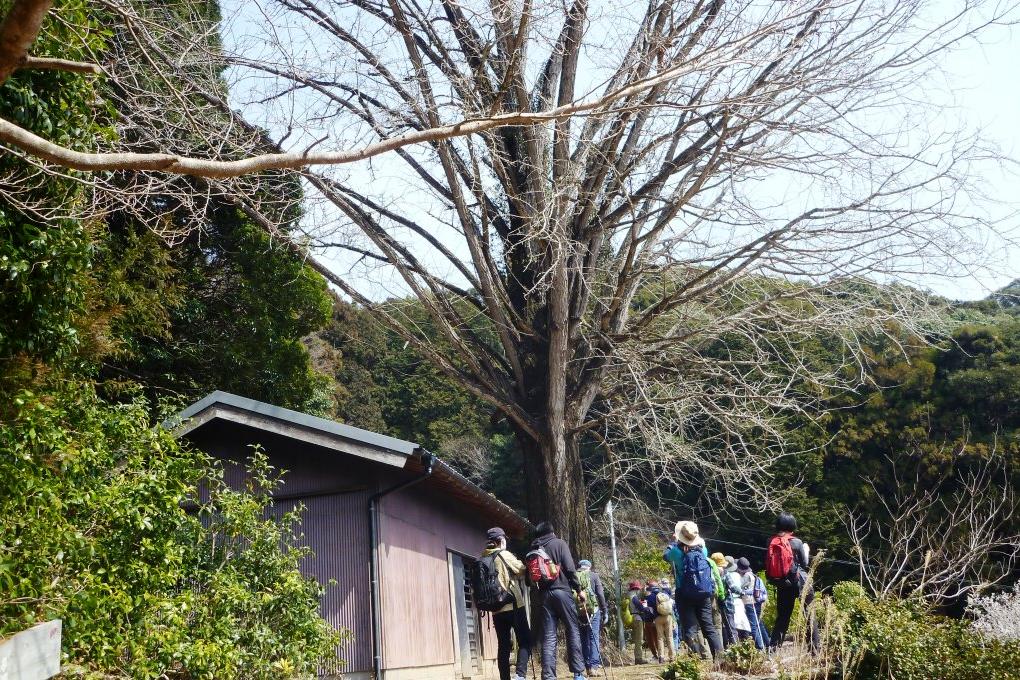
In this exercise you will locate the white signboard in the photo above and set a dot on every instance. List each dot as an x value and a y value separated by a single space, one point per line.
33 654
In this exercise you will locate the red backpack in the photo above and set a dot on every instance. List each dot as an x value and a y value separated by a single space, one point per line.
779 563
542 571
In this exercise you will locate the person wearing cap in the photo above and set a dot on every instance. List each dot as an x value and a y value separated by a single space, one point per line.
591 628
513 617
735 603
747 583
725 604
639 613
688 550
651 632
666 587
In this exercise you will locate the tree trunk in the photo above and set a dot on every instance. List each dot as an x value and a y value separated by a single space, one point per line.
556 489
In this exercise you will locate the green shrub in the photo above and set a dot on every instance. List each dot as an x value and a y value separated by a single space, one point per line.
901 639
745 659
100 526
683 667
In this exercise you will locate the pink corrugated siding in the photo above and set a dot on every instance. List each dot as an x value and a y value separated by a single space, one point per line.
336 528
416 533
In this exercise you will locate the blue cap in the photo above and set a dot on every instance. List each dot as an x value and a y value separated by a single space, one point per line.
584 563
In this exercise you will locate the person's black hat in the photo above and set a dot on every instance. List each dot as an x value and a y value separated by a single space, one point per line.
743 564
495 533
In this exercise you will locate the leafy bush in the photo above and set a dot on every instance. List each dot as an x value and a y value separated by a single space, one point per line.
901 639
102 525
746 659
683 667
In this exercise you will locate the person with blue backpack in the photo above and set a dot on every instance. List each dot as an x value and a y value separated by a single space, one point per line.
695 587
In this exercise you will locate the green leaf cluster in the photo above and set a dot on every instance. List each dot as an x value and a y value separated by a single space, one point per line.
901 639
157 569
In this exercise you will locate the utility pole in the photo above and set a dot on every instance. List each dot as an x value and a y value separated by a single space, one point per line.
620 639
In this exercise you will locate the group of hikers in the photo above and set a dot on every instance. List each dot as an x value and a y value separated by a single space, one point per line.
712 599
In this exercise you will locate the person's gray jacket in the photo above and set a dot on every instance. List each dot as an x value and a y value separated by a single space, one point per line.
600 594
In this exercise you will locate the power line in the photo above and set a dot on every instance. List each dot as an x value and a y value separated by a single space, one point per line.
719 540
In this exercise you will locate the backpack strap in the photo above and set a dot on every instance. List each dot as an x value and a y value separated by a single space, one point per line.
509 574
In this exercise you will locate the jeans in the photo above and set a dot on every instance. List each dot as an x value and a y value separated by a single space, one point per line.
558 607
752 618
676 628
786 597
762 630
590 642
697 614
505 622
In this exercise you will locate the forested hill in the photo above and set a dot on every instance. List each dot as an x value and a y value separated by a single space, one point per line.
928 411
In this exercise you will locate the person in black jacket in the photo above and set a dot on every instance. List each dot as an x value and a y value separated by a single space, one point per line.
558 605
787 592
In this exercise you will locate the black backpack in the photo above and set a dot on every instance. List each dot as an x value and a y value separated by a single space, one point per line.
490 595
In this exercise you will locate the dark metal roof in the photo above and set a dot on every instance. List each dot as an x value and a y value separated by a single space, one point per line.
285 415
345 439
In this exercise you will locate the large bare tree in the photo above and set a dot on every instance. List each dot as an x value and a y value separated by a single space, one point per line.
625 223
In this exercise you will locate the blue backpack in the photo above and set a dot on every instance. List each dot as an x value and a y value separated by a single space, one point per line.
697 577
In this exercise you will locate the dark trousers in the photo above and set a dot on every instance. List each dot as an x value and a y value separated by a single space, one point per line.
729 626
505 622
786 598
558 606
695 615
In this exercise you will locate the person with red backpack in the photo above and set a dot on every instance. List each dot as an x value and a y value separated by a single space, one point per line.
786 567
550 568
497 589
695 587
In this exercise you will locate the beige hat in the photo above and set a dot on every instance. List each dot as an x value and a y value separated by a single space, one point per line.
719 559
687 533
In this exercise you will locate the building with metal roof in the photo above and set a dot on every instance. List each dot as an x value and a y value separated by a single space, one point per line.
392 525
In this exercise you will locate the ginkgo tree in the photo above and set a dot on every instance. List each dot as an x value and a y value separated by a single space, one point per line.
624 223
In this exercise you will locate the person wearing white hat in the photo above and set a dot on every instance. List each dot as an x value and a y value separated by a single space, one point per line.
695 587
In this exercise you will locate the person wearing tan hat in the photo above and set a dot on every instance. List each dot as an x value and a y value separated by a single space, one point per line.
725 607
695 587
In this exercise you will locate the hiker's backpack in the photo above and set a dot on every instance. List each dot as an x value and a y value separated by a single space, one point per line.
780 566
761 594
625 611
697 578
663 604
542 571
584 578
489 593
720 582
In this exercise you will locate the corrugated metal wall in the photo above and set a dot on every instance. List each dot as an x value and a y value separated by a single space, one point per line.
335 527
417 533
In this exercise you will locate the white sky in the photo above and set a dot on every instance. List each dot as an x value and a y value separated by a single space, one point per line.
980 89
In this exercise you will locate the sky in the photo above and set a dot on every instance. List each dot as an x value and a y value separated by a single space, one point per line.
978 85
